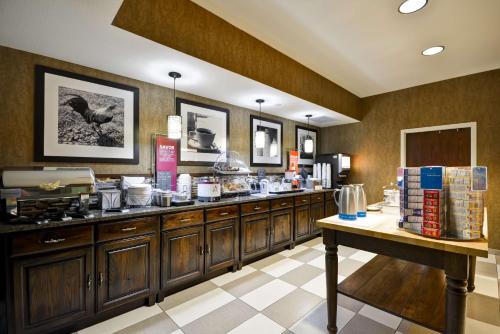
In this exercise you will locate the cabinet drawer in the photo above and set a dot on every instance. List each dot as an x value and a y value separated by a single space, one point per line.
224 212
316 198
254 207
302 200
182 219
282 203
126 228
42 241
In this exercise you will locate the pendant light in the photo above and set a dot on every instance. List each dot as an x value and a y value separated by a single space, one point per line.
174 122
260 135
308 143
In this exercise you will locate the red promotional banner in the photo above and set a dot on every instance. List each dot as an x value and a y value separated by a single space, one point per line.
166 163
294 161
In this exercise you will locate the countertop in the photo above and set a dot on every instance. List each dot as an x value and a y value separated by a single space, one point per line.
384 226
100 216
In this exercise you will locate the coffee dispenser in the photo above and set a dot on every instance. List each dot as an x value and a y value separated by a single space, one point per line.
340 166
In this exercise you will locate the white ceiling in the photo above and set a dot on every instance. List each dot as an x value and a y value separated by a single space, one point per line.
367 46
80 31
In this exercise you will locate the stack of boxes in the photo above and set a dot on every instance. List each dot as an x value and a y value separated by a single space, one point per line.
465 207
434 222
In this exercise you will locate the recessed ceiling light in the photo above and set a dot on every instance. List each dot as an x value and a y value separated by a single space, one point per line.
411 6
433 50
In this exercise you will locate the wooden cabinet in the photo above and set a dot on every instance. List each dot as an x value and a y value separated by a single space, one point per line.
182 256
281 228
330 208
126 270
317 212
254 235
221 245
53 290
302 221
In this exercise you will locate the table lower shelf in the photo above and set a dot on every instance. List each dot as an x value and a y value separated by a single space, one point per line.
412 291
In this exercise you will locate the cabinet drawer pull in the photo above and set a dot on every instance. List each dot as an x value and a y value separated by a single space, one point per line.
207 249
284 203
128 229
89 282
304 200
224 213
257 208
185 220
101 279
54 241
201 250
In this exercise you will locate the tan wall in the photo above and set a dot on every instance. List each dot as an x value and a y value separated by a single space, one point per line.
17 70
375 141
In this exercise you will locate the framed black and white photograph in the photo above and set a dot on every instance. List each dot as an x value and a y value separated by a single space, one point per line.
301 134
84 119
271 154
205 132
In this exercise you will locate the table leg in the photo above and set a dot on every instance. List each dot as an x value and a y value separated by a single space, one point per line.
472 273
457 272
331 262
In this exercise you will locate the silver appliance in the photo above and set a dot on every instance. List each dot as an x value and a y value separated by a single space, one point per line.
360 196
340 166
209 189
346 202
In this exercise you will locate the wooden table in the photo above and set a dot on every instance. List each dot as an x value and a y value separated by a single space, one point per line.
378 233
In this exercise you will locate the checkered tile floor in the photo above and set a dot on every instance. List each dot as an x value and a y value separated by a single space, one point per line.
285 293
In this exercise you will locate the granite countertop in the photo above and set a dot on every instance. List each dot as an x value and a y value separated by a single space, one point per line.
100 216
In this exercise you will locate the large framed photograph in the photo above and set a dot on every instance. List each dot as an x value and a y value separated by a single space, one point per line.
271 154
205 133
301 134
84 119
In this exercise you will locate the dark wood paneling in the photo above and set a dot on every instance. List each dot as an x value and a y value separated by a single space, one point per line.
56 239
316 198
302 200
254 235
330 208
223 212
53 290
126 229
197 32
317 212
182 256
126 270
254 207
281 228
221 239
438 148
282 203
302 222
182 219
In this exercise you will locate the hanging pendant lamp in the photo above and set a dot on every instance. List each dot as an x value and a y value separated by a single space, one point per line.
308 143
260 135
174 122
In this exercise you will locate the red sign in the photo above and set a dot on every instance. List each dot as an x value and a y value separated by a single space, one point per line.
166 163
294 161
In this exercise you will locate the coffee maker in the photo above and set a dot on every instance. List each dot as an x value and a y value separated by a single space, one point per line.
340 167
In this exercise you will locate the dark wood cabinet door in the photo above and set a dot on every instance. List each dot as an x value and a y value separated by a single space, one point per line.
254 235
317 212
281 228
126 270
182 256
53 290
302 222
221 244
330 208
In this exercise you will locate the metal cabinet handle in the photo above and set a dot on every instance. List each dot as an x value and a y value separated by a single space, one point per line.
283 204
89 282
101 279
257 208
185 220
54 241
207 247
304 200
127 229
224 213
201 250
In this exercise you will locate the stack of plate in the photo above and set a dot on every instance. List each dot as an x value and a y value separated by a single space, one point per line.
139 195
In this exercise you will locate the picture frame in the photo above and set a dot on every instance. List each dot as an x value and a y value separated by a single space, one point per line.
305 159
269 156
205 133
79 118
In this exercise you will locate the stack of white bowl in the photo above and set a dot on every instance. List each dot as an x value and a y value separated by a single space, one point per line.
139 195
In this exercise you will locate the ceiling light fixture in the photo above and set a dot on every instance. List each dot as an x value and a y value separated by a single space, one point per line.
411 6
308 143
174 122
433 50
260 134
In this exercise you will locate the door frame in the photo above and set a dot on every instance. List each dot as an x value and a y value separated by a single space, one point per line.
473 138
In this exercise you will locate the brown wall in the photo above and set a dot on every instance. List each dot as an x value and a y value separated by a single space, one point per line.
17 70
375 141
189 28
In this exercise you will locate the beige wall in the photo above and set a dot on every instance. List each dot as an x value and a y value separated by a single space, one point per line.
17 70
375 141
